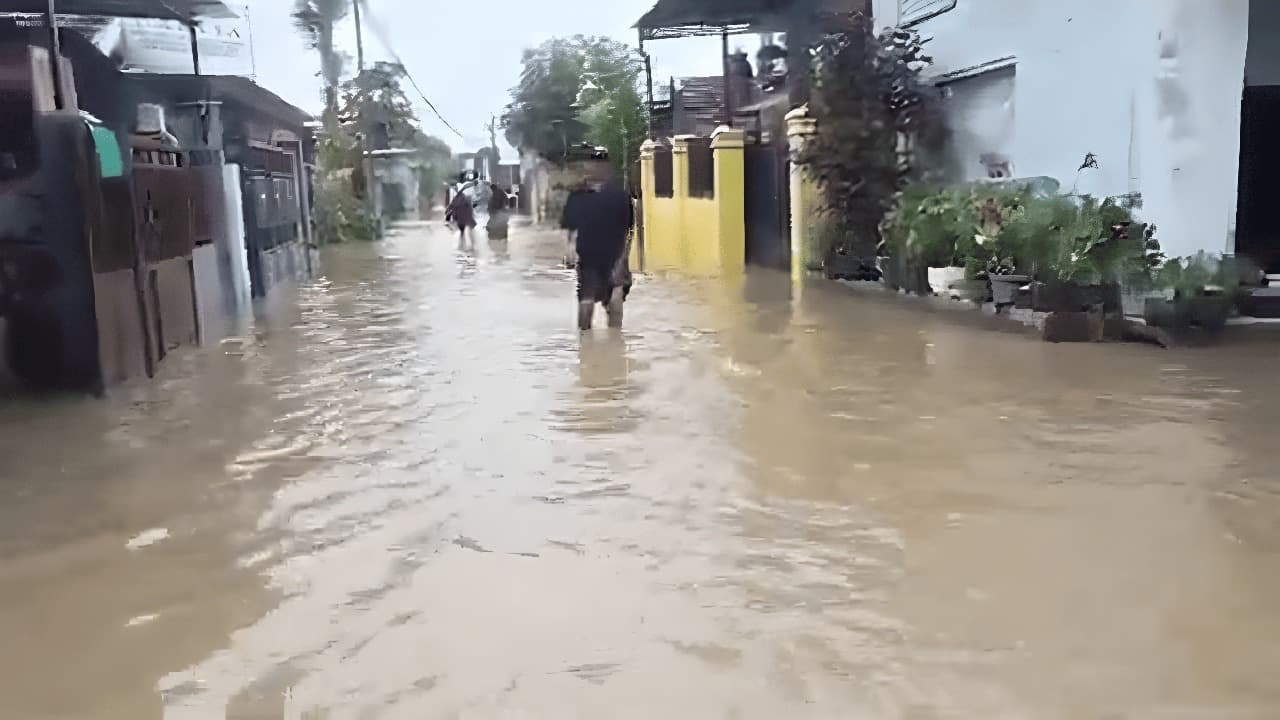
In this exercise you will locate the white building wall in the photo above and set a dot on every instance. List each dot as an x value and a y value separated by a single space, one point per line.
1151 88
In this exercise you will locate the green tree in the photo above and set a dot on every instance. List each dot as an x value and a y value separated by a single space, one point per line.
374 103
316 20
579 89
542 114
610 104
876 116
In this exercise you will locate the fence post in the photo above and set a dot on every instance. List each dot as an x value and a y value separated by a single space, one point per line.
729 157
648 193
804 194
680 184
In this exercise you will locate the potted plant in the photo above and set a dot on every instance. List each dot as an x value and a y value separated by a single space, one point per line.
929 222
1008 222
1094 247
1201 292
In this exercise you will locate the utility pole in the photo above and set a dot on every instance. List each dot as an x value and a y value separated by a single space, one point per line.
366 162
359 37
728 79
55 51
648 82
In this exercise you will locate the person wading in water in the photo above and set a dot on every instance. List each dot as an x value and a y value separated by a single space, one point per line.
603 220
462 212
499 215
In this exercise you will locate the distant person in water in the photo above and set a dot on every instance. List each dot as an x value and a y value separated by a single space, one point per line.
462 213
603 220
499 215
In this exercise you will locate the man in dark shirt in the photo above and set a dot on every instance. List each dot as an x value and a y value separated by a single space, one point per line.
603 220
569 221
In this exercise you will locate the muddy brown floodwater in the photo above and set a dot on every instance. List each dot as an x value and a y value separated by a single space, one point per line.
411 490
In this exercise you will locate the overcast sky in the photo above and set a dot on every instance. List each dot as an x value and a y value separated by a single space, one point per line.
464 54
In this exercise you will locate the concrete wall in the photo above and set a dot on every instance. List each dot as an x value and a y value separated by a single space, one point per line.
693 234
1151 88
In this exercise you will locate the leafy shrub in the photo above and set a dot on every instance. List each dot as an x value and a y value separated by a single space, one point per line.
1007 228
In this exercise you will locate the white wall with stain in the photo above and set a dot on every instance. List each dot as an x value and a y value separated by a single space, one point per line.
1151 88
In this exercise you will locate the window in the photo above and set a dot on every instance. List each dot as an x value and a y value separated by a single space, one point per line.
912 12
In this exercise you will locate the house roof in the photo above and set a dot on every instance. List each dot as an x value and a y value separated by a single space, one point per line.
192 88
688 18
700 105
186 11
692 18
702 94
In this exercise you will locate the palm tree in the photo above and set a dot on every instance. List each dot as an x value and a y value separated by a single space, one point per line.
315 20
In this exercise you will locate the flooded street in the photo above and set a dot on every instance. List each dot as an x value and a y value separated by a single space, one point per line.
412 490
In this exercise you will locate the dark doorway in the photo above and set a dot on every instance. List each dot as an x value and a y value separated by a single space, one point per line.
767 210
1258 214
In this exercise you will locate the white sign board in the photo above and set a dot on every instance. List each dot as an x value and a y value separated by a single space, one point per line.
164 46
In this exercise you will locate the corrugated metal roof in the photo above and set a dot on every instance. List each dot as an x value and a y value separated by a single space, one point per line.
689 18
677 13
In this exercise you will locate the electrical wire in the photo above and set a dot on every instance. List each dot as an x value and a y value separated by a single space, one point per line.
376 25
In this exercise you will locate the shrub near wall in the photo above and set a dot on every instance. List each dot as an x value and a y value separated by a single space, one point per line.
995 230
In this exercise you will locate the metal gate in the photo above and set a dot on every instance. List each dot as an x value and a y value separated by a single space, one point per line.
768 213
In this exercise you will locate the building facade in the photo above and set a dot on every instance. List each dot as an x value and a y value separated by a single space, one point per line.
1142 98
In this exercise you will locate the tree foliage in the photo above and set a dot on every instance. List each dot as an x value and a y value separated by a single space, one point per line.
541 112
316 20
611 106
575 90
875 117
374 102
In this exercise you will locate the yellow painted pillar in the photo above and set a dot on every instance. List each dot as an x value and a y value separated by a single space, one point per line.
804 195
648 206
680 183
728 146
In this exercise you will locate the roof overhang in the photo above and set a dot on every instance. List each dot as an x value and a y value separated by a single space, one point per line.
185 11
671 19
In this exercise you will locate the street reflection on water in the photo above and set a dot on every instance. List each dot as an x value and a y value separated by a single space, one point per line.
411 489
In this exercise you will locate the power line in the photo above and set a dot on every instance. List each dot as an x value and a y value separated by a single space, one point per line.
376 24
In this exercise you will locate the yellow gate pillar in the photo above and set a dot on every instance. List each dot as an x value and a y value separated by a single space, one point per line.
648 206
728 146
680 184
804 195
